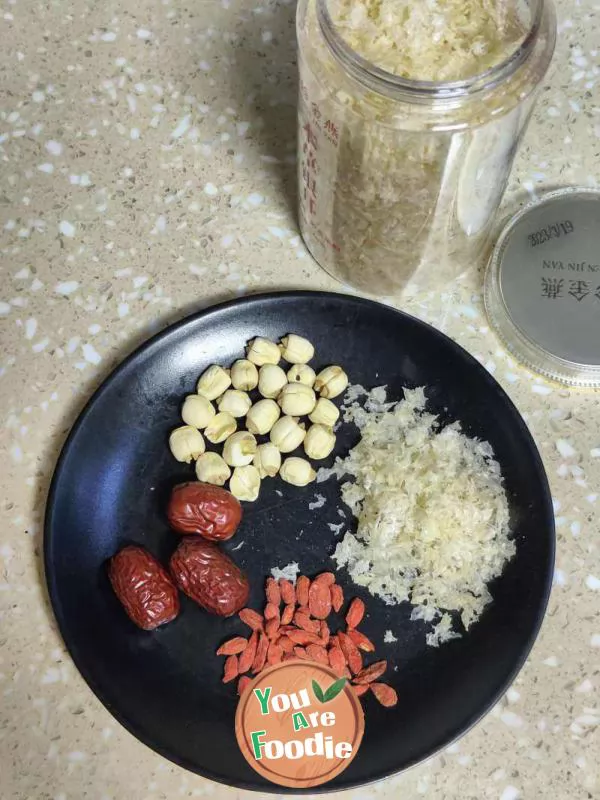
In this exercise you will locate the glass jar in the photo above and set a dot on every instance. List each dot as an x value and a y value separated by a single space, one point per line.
400 179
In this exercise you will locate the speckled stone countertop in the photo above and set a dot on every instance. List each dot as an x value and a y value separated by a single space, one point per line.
148 170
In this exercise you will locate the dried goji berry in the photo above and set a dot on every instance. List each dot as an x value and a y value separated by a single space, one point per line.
337 662
300 652
360 688
247 657
271 611
286 644
232 646
288 657
287 628
324 633
272 627
360 640
243 683
355 662
302 587
261 654
252 618
288 614
337 596
326 578
272 591
385 694
317 653
319 599
303 610
371 673
306 623
351 652
355 613
303 637
230 671
274 654
288 593
299 637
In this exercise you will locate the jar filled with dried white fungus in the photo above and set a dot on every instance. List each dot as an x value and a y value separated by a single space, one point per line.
410 114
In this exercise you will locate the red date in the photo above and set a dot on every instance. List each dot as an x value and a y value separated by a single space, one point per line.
144 587
207 510
209 577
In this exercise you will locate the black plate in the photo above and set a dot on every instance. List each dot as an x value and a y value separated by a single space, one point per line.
112 484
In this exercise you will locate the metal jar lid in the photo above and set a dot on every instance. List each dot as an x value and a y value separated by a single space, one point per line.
542 286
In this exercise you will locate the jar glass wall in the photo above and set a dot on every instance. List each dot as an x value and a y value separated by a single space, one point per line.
400 179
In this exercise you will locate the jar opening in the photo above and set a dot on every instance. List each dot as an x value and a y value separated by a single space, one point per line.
386 82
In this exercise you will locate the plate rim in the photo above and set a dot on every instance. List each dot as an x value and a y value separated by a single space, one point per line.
146 347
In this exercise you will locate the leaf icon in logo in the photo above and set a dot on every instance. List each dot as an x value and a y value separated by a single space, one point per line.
333 691
318 692
330 693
